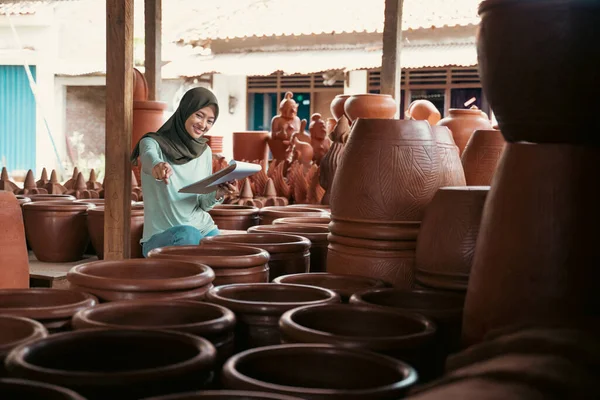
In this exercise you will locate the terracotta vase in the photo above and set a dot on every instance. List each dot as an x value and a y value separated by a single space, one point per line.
270 214
337 106
117 364
31 390
319 371
316 234
142 279
51 307
230 263
234 217
95 224
481 156
148 116
344 285
251 146
319 221
451 168
258 307
370 106
288 254
423 110
57 230
521 248
215 143
446 242
463 122
15 331
51 197
14 260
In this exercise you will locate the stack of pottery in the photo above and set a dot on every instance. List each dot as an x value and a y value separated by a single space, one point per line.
215 143
463 122
15 331
95 223
388 175
230 263
481 156
14 263
234 217
142 279
251 146
270 214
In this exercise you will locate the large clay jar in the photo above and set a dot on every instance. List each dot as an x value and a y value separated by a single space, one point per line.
15 331
481 156
320 221
225 395
370 106
231 263
95 224
463 122
148 116
14 261
403 335
549 264
337 105
251 146
319 371
451 168
31 390
209 321
142 279
51 307
344 285
446 242
234 217
117 364
57 230
316 234
259 306
423 110
270 214
288 254
521 50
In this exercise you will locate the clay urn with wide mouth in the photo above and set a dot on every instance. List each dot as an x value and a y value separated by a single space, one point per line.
463 122
142 279
95 224
15 331
451 168
117 363
225 395
51 197
234 217
258 307
337 105
324 207
53 308
269 214
319 371
369 105
288 254
24 389
481 156
321 221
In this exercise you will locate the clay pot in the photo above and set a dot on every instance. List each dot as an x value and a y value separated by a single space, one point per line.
15 331
446 242
370 106
225 395
234 217
117 364
51 197
321 221
463 122
389 171
521 248
251 146
142 279
376 230
316 234
337 105
259 306
270 214
324 207
319 371
481 156
14 260
230 263
140 86
57 230
288 254
51 307
451 168
215 143
22 199
95 224
344 285
96 202
31 390
148 116
423 110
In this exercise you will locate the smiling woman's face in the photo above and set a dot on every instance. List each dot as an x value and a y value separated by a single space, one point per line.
200 122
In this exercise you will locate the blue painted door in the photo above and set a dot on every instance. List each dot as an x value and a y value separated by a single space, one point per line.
17 119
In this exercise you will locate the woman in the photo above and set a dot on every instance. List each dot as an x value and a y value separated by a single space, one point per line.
173 157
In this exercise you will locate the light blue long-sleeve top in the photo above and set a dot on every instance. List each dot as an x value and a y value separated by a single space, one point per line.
164 206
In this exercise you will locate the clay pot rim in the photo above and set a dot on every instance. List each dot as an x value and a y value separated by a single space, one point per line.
230 272
305 205
136 211
371 95
68 393
51 196
265 307
314 233
320 350
342 96
227 210
292 221
120 295
81 276
255 256
48 312
288 243
58 205
465 111
415 224
84 319
476 188
373 244
274 210
224 394
38 331
204 358
375 283
375 230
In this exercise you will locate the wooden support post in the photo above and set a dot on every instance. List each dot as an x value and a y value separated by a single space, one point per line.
119 118
392 45
153 63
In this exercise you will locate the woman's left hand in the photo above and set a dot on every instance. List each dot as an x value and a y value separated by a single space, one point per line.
225 189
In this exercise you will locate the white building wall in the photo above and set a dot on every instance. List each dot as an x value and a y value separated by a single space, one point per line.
357 82
232 120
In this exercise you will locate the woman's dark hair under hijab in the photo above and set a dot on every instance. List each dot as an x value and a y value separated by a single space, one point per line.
174 141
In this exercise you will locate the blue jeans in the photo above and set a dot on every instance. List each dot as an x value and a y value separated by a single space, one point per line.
182 235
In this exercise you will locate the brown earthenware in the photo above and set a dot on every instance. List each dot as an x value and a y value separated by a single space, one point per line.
319 371
481 155
51 197
14 262
337 105
31 390
215 142
251 146
225 395
463 122
423 110
259 306
288 254
148 116
95 224
230 263
234 217
15 331
375 229
321 221
370 105
451 168
324 207
270 214
117 364
6 184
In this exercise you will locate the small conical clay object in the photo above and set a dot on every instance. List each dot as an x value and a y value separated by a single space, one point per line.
270 197
134 181
6 184
54 187
43 179
92 184
81 191
70 184
270 191
246 193
29 186
80 182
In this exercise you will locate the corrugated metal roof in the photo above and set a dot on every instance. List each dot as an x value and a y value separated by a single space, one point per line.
21 7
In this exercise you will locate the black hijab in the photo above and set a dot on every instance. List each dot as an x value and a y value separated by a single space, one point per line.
174 141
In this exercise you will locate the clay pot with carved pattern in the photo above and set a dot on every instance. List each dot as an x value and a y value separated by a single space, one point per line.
270 214
451 167
463 122
234 217
320 221
481 155
15 331
95 223
369 105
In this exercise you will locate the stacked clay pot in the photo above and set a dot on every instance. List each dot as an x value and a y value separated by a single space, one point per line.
446 242
321 221
142 279
14 262
270 214
234 217
24 389
15 331
259 306
463 122
230 263
481 155
251 146
288 254
451 167
95 224
225 395
215 143
57 230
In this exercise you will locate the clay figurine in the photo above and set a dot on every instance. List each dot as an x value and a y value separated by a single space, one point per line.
332 158
318 136
283 126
